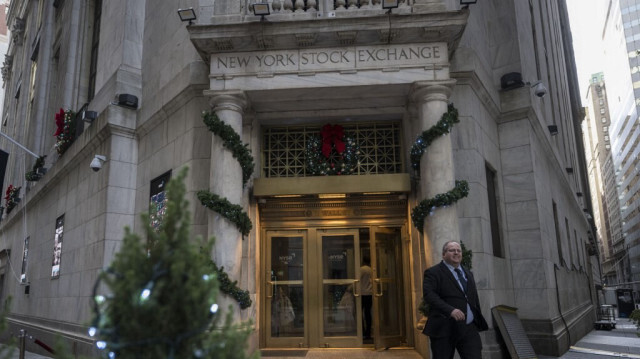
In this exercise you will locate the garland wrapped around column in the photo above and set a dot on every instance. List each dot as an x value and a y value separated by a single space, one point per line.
233 212
232 141
423 141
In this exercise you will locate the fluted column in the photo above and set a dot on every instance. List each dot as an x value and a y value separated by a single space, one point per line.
436 167
225 180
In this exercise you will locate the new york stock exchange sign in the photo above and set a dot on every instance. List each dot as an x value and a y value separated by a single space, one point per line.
334 59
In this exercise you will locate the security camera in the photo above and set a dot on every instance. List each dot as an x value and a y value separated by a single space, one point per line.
539 89
96 163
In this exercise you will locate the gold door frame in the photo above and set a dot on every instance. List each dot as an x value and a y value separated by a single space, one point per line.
310 215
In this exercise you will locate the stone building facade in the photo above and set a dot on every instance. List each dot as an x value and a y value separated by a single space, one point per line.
375 77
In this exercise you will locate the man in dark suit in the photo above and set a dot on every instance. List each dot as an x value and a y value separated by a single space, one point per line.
454 317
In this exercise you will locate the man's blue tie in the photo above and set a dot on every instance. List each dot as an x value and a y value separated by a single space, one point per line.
461 279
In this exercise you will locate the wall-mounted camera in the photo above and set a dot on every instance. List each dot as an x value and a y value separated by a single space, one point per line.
96 163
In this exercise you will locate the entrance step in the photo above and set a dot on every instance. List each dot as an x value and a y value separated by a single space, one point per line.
341 353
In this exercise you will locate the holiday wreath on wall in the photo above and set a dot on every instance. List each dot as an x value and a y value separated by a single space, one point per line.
331 153
65 130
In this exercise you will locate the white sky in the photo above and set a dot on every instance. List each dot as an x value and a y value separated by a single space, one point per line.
586 29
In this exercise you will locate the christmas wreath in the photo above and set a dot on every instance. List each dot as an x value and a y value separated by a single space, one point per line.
12 197
331 153
65 130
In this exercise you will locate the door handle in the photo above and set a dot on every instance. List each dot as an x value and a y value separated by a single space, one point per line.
379 284
272 289
356 284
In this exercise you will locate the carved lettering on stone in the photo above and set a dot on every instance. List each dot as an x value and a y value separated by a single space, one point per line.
334 59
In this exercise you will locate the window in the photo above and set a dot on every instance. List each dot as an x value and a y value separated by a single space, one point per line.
605 129
493 211
606 138
558 238
604 120
566 224
158 199
602 111
25 260
57 247
608 147
95 41
601 101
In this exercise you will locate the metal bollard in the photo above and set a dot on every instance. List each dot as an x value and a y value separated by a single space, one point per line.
23 342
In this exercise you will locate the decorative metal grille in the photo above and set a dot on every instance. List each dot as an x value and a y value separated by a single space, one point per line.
283 148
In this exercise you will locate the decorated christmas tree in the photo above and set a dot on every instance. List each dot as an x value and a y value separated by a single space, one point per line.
158 299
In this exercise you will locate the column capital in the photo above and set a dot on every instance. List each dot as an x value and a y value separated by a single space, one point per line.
227 100
423 91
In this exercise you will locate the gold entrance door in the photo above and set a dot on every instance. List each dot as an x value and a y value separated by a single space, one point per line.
339 295
388 298
285 302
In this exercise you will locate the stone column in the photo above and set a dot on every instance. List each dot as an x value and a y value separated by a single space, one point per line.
226 181
436 167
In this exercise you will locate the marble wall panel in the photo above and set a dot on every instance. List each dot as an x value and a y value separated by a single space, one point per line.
513 133
526 244
515 160
522 215
519 187
529 273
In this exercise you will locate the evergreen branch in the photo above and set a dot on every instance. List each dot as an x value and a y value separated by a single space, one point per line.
231 288
232 212
425 207
441 128
231 140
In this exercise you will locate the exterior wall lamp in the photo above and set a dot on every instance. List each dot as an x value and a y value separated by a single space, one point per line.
390 4
187 15
261 9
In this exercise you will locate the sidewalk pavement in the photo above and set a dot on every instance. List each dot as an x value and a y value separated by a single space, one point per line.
622 342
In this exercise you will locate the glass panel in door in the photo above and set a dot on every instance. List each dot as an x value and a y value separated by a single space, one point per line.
387 300
340 294
285 300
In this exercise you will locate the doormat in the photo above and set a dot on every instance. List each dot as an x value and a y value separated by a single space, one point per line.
284 352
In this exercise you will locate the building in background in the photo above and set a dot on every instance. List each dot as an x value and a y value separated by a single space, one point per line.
361 80
4 43
602 180
623 92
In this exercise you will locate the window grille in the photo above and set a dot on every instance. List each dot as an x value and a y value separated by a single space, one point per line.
284 148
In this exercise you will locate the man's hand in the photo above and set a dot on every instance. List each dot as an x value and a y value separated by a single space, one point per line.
457 314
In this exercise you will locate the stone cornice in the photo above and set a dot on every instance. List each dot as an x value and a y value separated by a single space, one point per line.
323 33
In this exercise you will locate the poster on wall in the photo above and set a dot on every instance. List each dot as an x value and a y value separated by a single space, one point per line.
158 200
25 255
57 247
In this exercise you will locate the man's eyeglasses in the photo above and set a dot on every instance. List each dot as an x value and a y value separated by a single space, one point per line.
454 250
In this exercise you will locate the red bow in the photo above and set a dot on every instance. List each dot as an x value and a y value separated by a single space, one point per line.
59 122
332 135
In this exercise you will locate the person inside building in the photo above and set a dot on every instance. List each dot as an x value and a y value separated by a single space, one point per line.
367 299
453 307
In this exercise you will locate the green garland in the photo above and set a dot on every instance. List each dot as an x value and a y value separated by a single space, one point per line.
232 141
232 212
426 206
231 288
423 141
441 128
33 175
